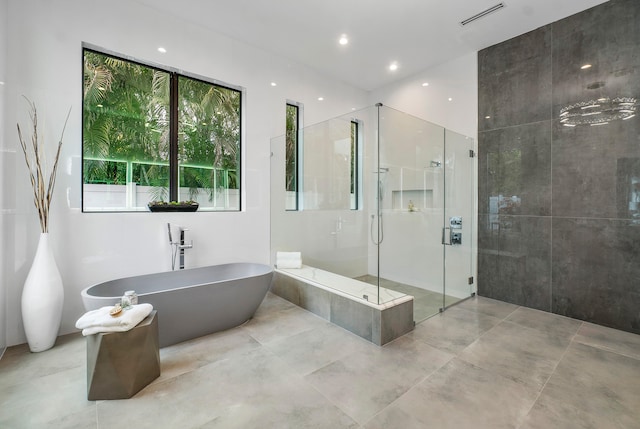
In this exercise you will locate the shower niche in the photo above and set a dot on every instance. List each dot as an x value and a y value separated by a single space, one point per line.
415 188
412 200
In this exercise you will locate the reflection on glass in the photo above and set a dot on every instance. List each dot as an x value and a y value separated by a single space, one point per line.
598 112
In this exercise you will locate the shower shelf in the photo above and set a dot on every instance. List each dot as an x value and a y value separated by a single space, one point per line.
421 199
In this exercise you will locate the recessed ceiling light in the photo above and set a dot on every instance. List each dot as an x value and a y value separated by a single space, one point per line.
425 84
274 84
450 99
162 50
393 66
1 83
586 66
320 98
343 39
487 117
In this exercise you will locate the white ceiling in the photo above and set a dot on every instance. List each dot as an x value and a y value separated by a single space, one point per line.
417 34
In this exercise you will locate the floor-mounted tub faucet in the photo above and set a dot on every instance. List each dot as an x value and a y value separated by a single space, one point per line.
178 246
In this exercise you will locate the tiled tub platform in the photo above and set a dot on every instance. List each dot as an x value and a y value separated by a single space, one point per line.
346 302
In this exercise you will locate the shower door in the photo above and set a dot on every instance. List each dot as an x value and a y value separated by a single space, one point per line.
425 195
411 209
457 229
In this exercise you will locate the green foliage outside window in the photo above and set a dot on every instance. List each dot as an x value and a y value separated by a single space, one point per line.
127 134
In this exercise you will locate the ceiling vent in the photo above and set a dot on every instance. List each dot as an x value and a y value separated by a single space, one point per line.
482 14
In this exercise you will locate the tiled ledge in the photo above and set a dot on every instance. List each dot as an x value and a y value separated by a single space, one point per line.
378 324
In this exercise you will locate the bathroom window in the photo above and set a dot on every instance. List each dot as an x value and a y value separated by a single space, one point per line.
292 140
355 131
151 134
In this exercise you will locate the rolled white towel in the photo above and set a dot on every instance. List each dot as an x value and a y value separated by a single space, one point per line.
101 321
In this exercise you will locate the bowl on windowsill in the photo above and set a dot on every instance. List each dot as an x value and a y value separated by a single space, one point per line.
173 206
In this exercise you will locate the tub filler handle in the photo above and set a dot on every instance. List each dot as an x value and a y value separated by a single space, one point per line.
178 247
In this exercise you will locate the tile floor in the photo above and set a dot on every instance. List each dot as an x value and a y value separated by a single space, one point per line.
481 364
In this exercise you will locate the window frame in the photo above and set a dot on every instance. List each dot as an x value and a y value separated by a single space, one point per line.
174 165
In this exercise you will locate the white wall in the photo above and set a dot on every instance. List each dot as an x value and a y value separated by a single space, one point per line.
43 62
456 79
4 168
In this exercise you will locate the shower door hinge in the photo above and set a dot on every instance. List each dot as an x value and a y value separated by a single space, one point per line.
472 154
471 280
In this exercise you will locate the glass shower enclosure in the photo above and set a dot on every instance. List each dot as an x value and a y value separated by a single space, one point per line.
384 201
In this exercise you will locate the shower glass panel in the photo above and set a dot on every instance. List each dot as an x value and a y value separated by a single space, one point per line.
330 228
385 202
412 209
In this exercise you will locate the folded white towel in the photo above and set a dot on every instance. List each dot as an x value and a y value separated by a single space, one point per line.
101 321
105 329
288 255
289 263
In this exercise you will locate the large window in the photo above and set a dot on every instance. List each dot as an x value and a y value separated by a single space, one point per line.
157 135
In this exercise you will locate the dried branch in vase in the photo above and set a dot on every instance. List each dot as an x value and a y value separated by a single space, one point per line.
34 157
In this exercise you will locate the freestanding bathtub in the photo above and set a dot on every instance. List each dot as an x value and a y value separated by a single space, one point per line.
192 302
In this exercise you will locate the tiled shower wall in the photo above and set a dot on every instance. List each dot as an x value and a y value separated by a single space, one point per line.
559 207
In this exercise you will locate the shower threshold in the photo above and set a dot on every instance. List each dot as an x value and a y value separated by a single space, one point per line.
426 303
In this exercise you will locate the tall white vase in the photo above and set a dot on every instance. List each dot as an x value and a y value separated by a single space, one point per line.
42 299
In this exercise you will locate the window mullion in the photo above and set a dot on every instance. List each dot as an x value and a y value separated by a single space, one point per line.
174 182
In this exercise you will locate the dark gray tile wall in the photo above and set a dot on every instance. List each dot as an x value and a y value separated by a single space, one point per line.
516 85
559 207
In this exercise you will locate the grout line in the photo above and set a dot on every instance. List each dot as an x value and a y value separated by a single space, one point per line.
552 372
551 177
398 398
415 386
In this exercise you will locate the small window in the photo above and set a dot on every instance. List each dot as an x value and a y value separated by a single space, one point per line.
156 135
291 157
354 165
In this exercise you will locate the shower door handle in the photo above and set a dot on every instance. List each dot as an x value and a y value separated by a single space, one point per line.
444 234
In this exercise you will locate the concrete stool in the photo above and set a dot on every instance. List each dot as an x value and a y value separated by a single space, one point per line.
120 364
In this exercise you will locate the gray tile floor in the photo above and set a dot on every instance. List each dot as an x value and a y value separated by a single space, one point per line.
481 364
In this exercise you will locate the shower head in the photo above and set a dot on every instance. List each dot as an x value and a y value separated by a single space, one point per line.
435 163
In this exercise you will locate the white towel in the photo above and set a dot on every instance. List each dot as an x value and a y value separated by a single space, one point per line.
101 321
292 263
288 255
288 259
105 329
